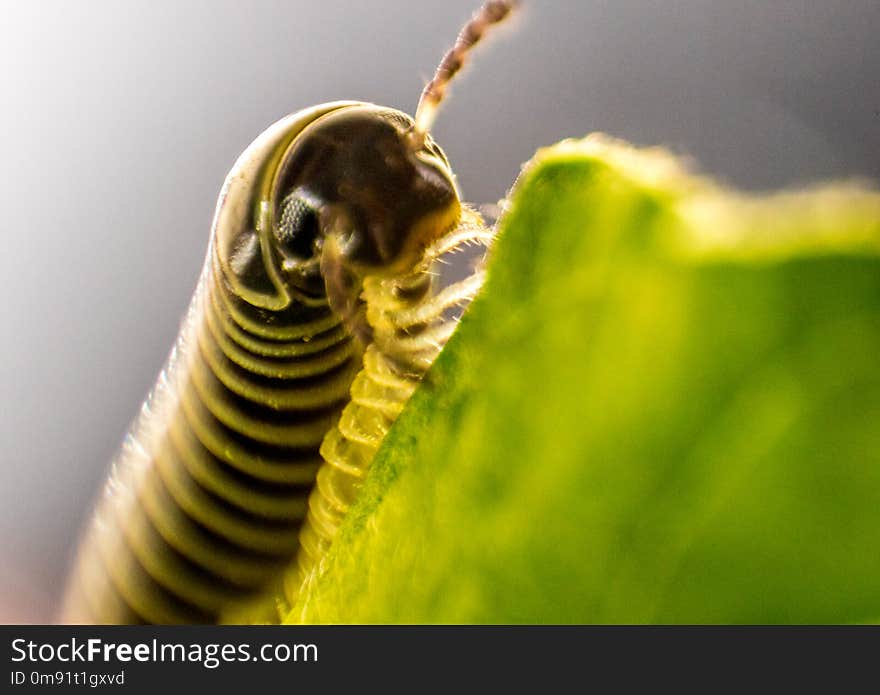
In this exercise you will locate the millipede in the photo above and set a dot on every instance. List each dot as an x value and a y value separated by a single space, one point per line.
316 315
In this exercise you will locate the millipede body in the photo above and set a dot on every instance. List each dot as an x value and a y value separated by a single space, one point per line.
315 316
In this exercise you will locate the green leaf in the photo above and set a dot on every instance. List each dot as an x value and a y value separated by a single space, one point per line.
663 407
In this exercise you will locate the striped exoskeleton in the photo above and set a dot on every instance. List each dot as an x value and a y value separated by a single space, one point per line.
313 321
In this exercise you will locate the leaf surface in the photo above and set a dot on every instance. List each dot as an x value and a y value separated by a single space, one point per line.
663 407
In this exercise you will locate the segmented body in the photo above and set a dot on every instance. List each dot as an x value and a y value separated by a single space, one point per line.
208 497
312 323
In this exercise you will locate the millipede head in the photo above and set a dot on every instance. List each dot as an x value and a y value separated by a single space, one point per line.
354 181
343 191
336 185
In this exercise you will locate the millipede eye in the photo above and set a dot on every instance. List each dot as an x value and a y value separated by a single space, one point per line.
298 227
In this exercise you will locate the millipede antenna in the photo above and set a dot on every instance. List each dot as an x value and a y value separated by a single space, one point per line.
489 14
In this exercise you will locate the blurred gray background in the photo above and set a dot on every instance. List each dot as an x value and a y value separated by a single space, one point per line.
119 121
